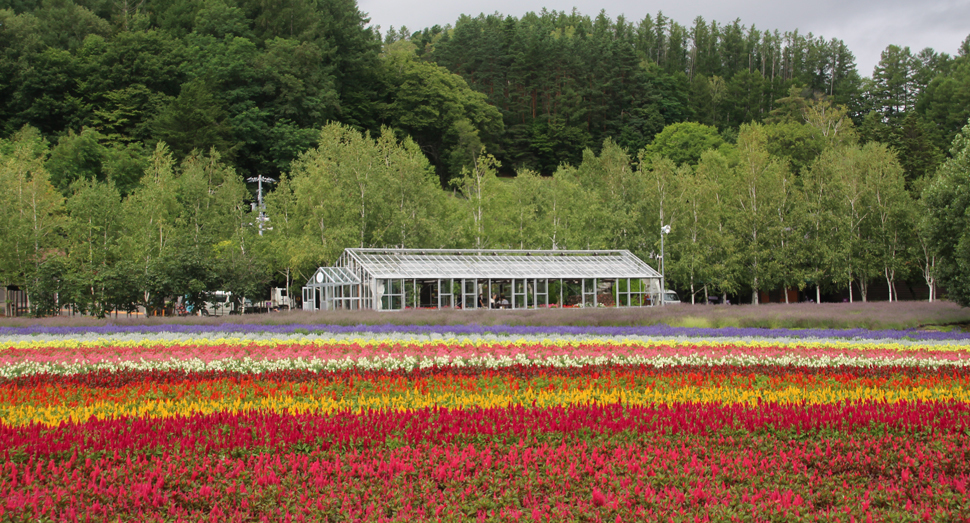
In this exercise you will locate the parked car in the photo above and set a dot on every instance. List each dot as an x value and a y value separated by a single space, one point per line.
671 298
279 299
220 305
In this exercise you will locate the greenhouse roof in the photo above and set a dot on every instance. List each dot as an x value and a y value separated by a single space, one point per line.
498 264
333 276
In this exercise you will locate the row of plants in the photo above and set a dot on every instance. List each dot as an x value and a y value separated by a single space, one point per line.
257 359
436 426
257 330
55 400
870 461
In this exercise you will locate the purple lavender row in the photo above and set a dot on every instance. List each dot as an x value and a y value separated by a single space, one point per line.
476 329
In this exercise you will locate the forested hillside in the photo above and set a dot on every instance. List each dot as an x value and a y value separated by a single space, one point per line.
128 131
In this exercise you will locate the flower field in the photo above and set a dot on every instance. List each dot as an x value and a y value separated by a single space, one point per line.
467 423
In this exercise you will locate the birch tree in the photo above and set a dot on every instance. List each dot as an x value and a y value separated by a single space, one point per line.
483 194
891 210
30 207
409 208
150 214
692 238
821 207
615 195
723 248
756 192
946 223
94 229
524 206
561 218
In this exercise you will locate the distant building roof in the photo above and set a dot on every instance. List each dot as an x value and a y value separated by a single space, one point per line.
496 264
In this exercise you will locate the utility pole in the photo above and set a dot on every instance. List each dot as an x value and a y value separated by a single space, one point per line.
665 230
262 218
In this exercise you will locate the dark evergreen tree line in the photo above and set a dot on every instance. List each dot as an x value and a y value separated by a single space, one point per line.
104 81
564 81
567 81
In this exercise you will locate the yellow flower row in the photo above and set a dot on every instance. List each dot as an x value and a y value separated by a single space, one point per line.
53 415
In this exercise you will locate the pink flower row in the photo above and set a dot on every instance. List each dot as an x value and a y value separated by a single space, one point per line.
209 353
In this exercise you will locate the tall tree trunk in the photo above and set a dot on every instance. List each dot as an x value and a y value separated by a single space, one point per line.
850 286
929 278
889 283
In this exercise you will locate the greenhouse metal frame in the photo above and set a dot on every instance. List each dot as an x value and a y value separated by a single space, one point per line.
398 279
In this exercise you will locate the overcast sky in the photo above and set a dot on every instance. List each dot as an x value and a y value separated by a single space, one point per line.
866 26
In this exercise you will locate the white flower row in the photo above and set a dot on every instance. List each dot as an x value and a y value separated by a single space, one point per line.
410 362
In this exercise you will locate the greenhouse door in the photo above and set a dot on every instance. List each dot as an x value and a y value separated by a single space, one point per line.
445 294
541 293
309 299
469 295
519 294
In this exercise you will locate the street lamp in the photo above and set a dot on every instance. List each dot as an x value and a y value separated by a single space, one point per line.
664 230
262 218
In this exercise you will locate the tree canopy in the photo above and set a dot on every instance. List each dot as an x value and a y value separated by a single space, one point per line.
946 222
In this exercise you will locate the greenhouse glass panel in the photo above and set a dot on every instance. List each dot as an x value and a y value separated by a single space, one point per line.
390 279
519 295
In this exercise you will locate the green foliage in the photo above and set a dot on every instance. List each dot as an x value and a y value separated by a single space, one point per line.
194 75
912 140
789 109
92 156
438 110
684 143
946 221
561 213
51 280
93 230
945 102
795 142
695 249
354 190
483 218
758 196
614 205
554 141
76 157
722 247
892 91
195 120
31 209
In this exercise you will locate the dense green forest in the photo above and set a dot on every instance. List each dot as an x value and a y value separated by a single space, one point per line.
128 131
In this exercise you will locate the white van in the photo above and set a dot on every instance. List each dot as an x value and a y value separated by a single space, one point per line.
671 298
221 304
279 299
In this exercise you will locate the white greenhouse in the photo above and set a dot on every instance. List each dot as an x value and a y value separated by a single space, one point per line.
397 279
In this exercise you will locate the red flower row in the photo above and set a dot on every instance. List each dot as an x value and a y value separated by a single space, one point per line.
681 462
